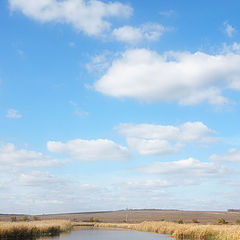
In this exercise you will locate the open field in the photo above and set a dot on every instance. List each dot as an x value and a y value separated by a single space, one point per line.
31 230
184 231
137 216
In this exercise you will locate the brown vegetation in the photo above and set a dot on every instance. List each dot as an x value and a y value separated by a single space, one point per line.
32 230
184 231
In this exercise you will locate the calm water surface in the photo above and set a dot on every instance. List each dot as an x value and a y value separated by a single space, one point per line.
107 234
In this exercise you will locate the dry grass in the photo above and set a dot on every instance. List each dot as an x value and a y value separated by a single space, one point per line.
32 230
184 231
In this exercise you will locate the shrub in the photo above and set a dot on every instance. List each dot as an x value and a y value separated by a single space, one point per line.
221 221
180 221
195 221
96 220
35 218
24 219
93 219
13 219
238 221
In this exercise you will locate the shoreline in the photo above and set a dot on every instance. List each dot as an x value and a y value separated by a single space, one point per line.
183 231
34 229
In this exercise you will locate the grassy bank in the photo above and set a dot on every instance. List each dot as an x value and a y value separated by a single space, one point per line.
184 231
32 230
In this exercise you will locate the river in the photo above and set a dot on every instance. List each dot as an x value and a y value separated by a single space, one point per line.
109 234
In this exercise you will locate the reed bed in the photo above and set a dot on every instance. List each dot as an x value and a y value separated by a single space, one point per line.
33 230
184 231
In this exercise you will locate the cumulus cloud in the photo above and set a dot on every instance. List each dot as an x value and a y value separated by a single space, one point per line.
186 168
12 113
90 150
229 29
183 77
91 17
233 155
153 146
12 157
160 139
148 32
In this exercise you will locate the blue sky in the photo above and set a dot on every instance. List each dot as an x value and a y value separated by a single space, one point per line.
107 105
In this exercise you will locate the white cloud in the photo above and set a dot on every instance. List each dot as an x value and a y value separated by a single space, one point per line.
195 131
155 185
235 47
90 150
167 13
233 155
188 131
77 110
159 139
146 185
12 113
20 52
148 32
72 44
87 16
229 29
37 178
187 78
11 157
100 62
186 168
152 146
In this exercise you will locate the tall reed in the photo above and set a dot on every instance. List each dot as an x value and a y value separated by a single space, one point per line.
184 231
32 230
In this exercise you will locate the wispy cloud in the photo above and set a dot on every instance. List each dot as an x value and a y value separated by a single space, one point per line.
72 44
20 52
134 35
233 155
11 158
13 113
167 13
100 62
229 29
188 168
77 109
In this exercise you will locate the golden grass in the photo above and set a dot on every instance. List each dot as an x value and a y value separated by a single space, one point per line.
32 230
83 224
184 231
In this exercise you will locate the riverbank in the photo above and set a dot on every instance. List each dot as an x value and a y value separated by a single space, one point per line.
183 231
33 230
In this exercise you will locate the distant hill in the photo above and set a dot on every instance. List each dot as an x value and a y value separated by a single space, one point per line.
139 215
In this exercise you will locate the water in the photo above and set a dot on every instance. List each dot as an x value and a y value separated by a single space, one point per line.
109 234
